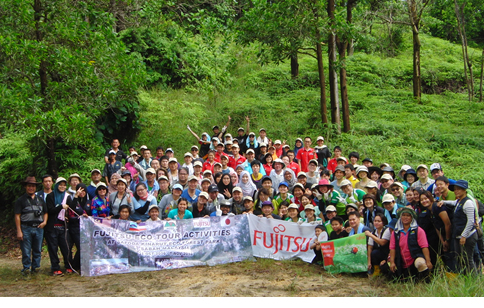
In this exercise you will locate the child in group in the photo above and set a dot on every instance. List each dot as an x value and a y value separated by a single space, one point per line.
283 210
338 230
321 236
292 213
154 212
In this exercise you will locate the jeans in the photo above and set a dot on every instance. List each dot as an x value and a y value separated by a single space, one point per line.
31 246
465 254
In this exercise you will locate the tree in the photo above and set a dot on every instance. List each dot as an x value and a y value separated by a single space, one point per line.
461 26
282 38
64 72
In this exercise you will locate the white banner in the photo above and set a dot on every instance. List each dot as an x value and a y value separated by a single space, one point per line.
279 240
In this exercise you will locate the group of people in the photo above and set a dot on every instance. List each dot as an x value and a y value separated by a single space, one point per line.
413 218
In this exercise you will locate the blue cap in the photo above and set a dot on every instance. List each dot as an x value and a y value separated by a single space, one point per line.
177 186
284 183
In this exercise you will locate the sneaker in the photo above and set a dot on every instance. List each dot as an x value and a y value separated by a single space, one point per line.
58 273
69 271
25 271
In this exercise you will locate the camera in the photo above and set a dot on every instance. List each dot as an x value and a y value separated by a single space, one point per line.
38 213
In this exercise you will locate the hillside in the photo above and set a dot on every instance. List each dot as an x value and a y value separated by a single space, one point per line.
387 124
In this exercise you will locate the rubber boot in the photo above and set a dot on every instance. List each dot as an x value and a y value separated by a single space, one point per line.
424 276
376 270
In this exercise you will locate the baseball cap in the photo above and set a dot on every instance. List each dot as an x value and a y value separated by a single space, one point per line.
320 138
250 151
237 189
169 150
150 170
302 174
248 198
330 208
387 198
194 147
435 166
192 177
162 177
177 186
188 154
213 188
267 203
422 166
339 168
386 176
143 147
95 170
345 183
371 184
204 194
173 159
277 142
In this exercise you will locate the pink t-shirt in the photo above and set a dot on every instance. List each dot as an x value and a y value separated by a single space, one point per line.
404 251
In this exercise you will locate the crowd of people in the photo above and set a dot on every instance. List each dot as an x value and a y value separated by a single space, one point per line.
413 218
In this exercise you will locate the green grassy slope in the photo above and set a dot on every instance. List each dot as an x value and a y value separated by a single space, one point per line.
387 124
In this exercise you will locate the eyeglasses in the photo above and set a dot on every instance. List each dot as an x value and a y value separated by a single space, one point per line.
395 188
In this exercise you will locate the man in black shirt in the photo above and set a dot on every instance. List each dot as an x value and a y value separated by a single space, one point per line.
120 155
30 219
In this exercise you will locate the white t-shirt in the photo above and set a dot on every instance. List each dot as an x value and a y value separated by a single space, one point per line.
386 236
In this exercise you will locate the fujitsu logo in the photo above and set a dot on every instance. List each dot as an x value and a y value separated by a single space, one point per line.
281 242
201 223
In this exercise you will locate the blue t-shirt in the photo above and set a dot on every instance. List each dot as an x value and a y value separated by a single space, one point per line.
174 214
191 200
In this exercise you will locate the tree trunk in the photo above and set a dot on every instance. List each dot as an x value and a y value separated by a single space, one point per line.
417 87
322 84
333 75
459 14
294 66
482 76
51 163
342 46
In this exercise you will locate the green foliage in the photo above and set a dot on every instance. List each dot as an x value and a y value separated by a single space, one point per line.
64 68
16 163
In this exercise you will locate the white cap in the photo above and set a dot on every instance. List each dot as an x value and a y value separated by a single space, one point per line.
173 159
386 176
345 183
188 154
277 142
320 138
388 198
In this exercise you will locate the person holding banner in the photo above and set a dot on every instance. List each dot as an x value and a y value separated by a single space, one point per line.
355 223
409 252
321 236
267 209
378 243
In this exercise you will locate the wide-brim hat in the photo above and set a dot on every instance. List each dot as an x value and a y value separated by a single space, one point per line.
460 183
74 175
30 180
325 182
373 169
278 160
409 171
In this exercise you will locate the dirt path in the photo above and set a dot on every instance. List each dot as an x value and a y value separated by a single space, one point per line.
253 279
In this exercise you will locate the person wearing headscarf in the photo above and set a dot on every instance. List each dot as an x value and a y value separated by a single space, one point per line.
234 178
113 183
78 206
225 186
55 230
246 184
289 178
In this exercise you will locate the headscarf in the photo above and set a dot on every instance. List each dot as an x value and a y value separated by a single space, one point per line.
222 187
247 143
247 188
82 201
234 173
292 181
113 188
59 196
399 225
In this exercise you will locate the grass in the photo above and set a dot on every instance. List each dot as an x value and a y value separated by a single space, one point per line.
387 124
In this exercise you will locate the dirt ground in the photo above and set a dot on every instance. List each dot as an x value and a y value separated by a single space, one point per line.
261 278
